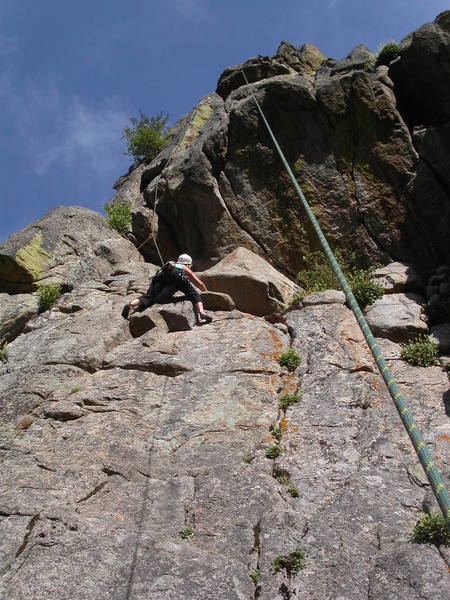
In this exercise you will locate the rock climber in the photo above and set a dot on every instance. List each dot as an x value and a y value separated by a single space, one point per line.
173 277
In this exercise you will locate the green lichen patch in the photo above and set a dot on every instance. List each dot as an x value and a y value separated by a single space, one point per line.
202 115
33 258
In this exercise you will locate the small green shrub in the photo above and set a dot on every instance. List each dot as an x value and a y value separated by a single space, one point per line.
254 575
75 389
248 458
283 478
186 532
293 491
292 562
288 400
296 298
421 352
48 294
290 359
432 529
276 431
3 352
388 52
364 288
273 452
318 276
118 215
147 136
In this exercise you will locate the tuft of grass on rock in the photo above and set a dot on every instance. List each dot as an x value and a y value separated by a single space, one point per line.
276 431
296 298
420 353
248 458
287 400
118 215
254 575
293 491
290 359
388 53
318 276
48 294
364 288
3 352
431 529
292 563
273 452
186 532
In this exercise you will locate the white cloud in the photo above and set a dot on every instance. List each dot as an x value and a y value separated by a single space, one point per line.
193 10
52 129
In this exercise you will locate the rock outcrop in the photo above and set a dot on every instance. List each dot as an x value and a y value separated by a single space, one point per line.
153 458
138 464
371 157
68 245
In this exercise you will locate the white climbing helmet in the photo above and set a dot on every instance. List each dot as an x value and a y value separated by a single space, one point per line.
184 259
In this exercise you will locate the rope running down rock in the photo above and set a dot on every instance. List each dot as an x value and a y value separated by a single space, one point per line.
400 402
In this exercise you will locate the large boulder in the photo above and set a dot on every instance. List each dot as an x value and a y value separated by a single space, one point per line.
69 245
253 284
397 317
15 311
398 277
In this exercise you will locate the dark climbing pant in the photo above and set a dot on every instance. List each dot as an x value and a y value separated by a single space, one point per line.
161 292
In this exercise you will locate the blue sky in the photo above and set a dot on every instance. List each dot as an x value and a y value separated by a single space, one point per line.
72 73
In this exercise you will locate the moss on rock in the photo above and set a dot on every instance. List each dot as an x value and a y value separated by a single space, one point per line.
33 258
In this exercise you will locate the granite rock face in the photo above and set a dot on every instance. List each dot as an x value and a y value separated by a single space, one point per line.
371 164
68 245
397 317
156 459
254 285
138 464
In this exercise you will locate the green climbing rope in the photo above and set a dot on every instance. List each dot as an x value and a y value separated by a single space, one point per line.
400 402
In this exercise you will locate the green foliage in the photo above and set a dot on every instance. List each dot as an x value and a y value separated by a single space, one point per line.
118 215
421 352
276 431
248 458
432 529
273 452
75 389
364 288
281 475
318 276
292 562
288 400
48 294
290 359
146 137
388 52
3 352
296 298
293 491
254 575
186 532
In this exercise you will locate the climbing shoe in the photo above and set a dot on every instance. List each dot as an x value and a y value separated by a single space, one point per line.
203 319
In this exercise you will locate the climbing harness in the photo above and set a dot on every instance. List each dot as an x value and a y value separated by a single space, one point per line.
400 402
155 204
